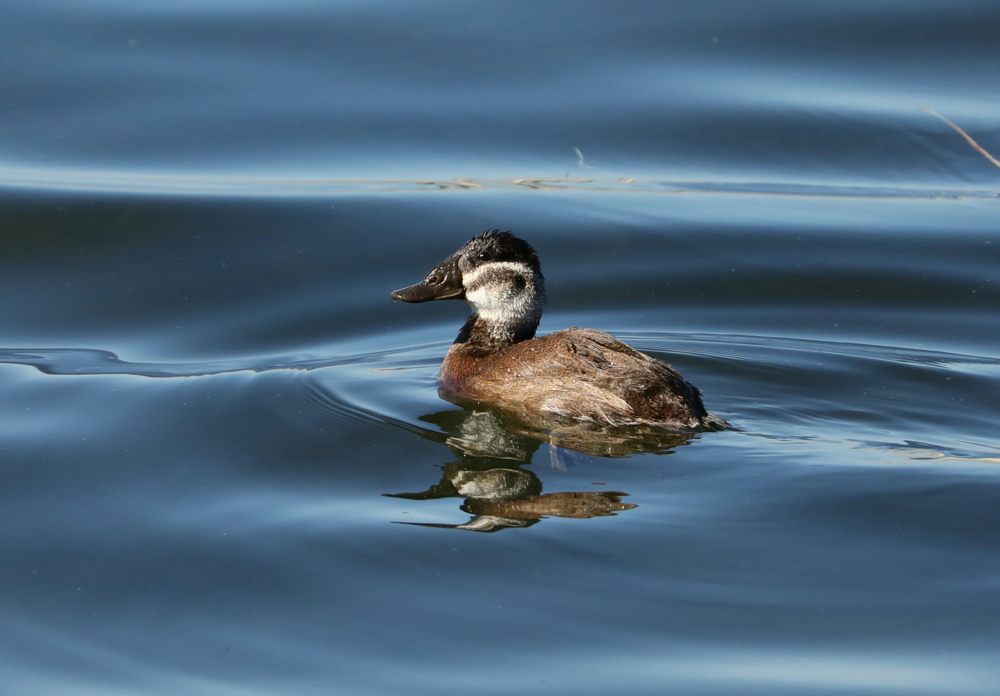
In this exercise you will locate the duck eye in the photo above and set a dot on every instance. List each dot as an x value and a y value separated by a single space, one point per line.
432 280
485 256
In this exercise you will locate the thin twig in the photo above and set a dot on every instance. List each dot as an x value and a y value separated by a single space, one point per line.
979 148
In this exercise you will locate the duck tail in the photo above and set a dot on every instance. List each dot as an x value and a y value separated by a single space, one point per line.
711 422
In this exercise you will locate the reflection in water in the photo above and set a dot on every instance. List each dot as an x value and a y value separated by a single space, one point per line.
492 445
584 437
507 496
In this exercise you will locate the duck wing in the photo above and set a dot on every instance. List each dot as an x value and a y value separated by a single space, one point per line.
592 376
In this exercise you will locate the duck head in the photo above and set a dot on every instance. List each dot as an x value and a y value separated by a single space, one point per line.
495 272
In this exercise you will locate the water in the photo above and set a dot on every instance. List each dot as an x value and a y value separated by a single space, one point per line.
225 468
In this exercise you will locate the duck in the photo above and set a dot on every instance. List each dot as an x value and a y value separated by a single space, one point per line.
582 375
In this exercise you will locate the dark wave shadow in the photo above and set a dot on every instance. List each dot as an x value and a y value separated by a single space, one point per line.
728 346
93 361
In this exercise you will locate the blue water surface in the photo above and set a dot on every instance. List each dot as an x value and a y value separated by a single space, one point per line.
224 464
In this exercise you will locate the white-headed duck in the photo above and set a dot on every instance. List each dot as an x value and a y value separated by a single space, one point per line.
581 374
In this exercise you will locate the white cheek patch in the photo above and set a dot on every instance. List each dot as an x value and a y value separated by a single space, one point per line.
507 311
505 295
492 303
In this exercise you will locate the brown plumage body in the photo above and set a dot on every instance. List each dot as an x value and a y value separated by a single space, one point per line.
576 373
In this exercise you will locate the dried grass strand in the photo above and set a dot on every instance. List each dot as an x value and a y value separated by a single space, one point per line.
968 138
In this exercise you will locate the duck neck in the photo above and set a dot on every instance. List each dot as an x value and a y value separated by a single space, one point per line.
480 336
507 301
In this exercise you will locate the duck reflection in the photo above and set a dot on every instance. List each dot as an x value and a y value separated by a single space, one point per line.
491 446
565 433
